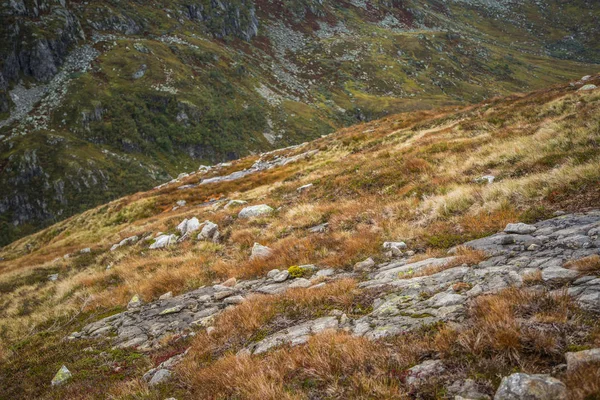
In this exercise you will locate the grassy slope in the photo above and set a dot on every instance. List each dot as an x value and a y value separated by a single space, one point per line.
407 176
388 71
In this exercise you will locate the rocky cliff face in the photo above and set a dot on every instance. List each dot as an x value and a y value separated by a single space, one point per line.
37 37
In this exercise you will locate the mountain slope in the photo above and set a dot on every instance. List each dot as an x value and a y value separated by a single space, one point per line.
105 99
432 179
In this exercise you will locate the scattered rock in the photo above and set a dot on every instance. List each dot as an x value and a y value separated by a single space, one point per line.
467 390
319 228
556 273
281 276
365 265
394 245
295 335
582 358
234 203
520 228
86 250
230 282
521 386
127 241
300 283
140 72
304 188
420 374
163 241
255 211
61 376
166 296
161 376
187 227
489 179
272 273
234 300
324 273
135 302
210 231
260 251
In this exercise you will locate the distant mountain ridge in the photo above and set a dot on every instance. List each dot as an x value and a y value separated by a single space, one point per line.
102 99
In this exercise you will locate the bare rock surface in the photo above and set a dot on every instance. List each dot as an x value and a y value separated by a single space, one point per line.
405 302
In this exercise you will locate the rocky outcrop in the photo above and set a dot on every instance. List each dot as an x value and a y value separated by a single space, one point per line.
226 18
405 303
531 387
143 325
28 53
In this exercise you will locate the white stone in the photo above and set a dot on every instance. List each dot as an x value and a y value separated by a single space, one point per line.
521 386
255 211
210 231
588 87
304 188
163 241
390 245
520 228
61 376
260 251
300 283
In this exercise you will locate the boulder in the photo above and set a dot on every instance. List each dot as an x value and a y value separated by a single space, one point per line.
135 302
304 188
319 228
229 282
556 273
520 228
163 241
521 386
53 277
489 179
161 376
210 231
420 374
467 390
392 245
585 88
325 272
233 300
365 265
272 273
260 251
282 276
255 211
61 376
234 203
300 283
188 226
582 358
127 241
166 296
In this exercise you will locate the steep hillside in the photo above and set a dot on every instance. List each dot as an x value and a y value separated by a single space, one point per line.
358 265
105 98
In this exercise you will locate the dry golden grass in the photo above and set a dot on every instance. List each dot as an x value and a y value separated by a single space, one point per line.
584 383
332 363
585 265
410 178
236 326
514 329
